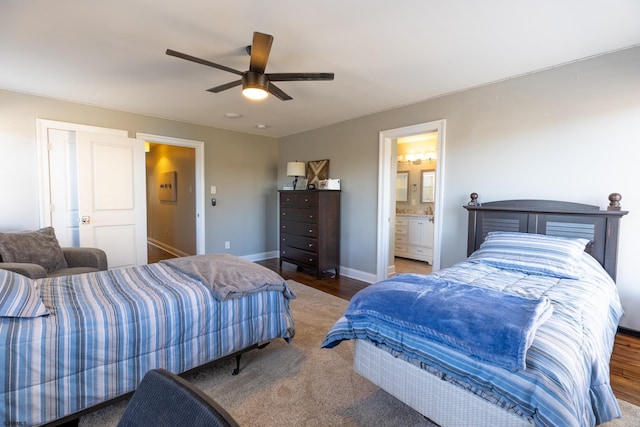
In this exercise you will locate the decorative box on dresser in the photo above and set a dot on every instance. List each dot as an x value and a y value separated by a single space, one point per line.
310 229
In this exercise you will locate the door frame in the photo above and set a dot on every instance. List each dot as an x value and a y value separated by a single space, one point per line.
42 139
385 193
199 178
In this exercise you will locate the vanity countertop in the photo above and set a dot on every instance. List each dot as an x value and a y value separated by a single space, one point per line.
414 215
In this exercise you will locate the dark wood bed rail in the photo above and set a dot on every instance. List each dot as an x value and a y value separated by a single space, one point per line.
551 217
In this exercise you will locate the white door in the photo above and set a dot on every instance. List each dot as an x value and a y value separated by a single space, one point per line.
112 197
63 185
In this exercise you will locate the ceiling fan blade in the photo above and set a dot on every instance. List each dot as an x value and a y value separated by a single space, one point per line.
201 61
225 86
292 77
260 49
278 93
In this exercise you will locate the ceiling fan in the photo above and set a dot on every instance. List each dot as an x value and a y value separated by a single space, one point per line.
255 82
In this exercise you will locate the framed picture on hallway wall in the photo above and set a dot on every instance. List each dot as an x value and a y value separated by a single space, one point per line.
168 190
317 170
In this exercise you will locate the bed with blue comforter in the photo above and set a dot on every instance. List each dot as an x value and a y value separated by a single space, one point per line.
527 322
69 343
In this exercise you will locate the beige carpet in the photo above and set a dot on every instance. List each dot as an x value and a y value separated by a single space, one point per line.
300 384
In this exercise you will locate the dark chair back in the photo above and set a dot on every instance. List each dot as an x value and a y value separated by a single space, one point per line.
165 399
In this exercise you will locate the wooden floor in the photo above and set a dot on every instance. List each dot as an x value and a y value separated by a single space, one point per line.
625 368
403 265
625 360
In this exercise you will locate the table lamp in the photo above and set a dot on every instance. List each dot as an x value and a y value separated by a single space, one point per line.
296 169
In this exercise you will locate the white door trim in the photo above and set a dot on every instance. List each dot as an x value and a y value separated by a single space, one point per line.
199 184
386 138
42 140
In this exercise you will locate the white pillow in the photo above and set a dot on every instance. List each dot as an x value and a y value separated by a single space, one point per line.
532 254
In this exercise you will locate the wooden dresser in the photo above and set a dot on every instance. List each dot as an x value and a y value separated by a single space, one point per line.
310 229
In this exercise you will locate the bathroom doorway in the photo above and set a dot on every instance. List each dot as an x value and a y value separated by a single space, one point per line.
412 236
387 177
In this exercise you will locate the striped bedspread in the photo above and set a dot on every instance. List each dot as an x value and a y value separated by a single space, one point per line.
107 329
566 380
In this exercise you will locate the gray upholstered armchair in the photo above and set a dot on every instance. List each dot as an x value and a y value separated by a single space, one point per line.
38 254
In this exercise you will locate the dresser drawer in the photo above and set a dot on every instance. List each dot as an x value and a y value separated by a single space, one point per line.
401 247
288 198
402 230
299 228
421 252
299 255
307 243
300 215
402 238
300 200
402 222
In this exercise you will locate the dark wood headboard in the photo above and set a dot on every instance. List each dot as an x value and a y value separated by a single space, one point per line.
554 218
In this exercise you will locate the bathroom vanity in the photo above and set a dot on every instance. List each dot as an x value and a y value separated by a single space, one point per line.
414 237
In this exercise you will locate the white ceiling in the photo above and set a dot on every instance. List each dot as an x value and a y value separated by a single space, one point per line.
384 53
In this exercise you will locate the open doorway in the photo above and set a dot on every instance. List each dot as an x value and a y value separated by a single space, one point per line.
387 190
171 208
413 249
175 208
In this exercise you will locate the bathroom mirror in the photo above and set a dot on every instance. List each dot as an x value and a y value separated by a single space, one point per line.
427 186
402 186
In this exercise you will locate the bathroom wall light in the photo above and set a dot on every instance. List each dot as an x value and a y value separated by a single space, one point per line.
417 158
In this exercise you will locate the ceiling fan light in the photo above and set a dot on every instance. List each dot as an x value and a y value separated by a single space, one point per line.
255 93
254 85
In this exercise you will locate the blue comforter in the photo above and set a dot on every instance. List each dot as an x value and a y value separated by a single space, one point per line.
566 380
107 329
458 315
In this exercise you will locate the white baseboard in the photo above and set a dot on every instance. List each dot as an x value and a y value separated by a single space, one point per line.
261 256
358 275
167 248
344 271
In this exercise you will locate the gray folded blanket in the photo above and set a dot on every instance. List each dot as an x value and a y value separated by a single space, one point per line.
229 276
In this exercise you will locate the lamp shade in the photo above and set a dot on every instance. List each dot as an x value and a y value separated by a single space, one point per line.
296 168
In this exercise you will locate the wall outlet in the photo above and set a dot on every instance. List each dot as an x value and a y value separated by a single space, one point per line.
227 245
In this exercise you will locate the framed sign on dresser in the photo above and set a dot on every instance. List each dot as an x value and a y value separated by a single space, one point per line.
310 229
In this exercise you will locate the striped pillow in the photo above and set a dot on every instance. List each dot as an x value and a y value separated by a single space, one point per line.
19 297
532 254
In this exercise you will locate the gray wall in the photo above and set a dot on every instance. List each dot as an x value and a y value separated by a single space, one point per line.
566 133
242 166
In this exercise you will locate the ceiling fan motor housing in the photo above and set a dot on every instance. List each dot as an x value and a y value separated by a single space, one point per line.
252 79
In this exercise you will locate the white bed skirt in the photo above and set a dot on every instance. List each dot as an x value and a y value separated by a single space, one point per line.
442 402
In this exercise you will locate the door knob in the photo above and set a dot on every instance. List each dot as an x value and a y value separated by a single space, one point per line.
85 220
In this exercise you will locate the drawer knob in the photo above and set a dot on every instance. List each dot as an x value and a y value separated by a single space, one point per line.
284 226
284 214
306 200
310 231
310 216
310 259
310 245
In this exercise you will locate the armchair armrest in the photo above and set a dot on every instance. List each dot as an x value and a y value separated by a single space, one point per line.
86 257
33 271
